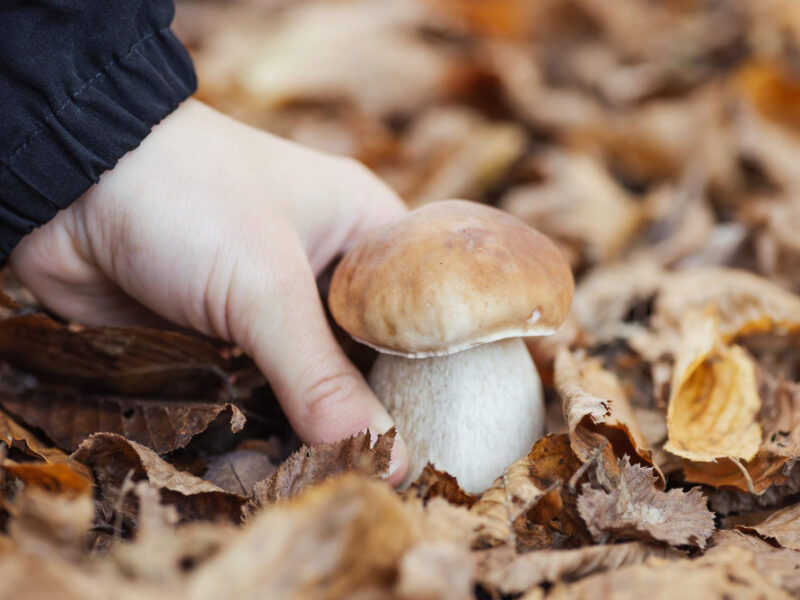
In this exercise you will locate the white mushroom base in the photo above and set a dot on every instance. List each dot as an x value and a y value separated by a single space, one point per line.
471 413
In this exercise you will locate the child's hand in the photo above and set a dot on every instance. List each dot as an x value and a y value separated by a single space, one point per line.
219 227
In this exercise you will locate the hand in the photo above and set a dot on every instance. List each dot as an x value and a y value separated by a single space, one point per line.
219 227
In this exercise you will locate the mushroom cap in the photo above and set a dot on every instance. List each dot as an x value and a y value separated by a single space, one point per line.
449 276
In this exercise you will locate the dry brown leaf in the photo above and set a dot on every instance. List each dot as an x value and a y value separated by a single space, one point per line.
436 570
116 460
51 524
344 536
56 478
771 473
452 153
314 54
714 406
598 413
312 465
782 526
576 195
433 483
635 509
17 436
729 574
556 469
779 565
130 360
744 302
502 18
36 577
509 498
607 294
511 574
69 415
239 470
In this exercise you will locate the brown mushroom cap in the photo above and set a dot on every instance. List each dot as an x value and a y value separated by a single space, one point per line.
449 276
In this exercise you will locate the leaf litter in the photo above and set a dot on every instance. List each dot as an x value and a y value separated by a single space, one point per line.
655 143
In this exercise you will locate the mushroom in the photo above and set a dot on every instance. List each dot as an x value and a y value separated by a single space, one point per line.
445 295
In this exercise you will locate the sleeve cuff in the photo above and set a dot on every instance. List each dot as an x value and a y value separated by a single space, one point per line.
110 114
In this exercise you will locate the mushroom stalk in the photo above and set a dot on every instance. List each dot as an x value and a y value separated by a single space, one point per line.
471 413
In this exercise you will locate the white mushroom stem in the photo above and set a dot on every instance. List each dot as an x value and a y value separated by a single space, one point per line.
471 413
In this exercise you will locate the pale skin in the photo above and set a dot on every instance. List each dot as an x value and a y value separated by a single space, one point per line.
215 226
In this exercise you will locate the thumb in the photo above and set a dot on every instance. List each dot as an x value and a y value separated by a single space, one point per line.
282 325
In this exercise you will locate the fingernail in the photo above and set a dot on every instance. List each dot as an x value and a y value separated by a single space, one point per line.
398 464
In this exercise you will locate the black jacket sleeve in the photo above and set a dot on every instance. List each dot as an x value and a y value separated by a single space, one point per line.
81 83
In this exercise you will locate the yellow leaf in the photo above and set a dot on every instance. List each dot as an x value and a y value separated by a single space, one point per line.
713 410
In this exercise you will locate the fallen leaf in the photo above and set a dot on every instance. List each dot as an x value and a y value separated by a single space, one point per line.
295 61
344 536
511 574
577 193
432 570
635 509
556 469
129 361
51 524
433 483
31 575
68 416
56 478
312 465
239 470
729 574
780 565
744 302
508 499
452 153
115 459
714 404
782 527
599 416
17 436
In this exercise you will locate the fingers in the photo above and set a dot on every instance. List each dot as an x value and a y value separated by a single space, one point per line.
376 204
280 322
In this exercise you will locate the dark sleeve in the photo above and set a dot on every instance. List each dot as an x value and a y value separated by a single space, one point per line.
81 83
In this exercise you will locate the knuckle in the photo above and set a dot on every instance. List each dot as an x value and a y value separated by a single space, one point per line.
324 398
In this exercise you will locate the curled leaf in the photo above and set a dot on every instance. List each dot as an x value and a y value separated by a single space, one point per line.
116 461
782 526
599 416
714 406
433 483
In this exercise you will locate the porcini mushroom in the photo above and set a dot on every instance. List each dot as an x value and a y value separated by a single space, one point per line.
445 295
